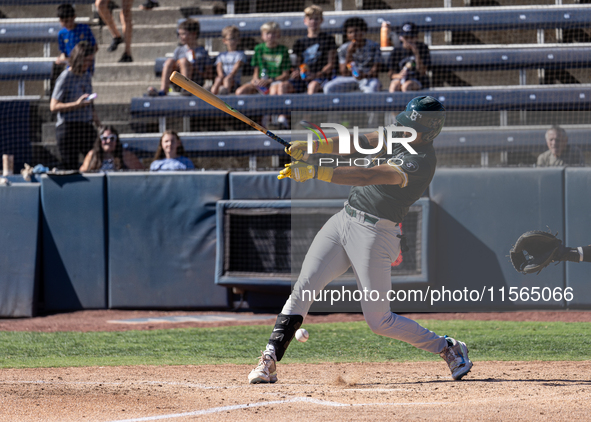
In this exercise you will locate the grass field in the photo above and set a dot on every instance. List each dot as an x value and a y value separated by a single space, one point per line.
335 342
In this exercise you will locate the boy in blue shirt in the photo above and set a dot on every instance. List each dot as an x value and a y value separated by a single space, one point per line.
71 33
67 38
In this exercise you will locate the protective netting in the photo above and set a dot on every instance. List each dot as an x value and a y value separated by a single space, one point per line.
273 242
506 71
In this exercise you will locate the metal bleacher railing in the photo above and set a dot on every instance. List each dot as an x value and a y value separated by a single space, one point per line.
483 140
539 18
530 97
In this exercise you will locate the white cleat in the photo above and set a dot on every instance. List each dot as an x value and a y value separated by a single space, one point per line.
456 356
266 370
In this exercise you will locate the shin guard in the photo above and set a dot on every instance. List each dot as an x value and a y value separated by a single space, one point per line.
283 332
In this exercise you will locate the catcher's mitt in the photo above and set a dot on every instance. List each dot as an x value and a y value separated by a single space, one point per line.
534 250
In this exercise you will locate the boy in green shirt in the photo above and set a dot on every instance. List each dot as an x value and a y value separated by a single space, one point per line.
270 61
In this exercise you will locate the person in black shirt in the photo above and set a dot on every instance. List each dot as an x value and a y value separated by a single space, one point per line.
408 64
317 52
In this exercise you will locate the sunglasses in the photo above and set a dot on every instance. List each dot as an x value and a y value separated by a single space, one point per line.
109 138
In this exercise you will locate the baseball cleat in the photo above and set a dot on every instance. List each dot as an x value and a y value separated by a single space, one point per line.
456 356
266 370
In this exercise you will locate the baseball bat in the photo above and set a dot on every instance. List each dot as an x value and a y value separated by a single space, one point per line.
213 100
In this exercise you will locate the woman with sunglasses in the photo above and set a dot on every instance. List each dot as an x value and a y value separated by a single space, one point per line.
74 129
108 154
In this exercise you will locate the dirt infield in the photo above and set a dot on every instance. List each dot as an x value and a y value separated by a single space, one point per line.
498 391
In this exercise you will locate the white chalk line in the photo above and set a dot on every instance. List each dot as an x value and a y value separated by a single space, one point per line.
268 403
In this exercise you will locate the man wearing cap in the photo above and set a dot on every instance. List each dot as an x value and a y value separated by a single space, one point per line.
365 234
408 64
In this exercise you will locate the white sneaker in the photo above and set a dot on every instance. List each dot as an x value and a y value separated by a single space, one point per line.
266 370
456 356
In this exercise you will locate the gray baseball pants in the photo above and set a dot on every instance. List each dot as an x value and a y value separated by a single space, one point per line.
369 248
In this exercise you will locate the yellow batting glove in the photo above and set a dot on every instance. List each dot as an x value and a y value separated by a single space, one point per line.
297 149
300 172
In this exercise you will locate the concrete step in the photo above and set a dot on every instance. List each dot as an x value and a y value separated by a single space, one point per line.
157 33
43 11
120 91
143 52
121 72
158 15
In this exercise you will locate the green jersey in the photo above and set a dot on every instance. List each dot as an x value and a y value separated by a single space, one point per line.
275 60
393 201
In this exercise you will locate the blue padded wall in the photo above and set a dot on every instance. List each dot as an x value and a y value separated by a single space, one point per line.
265 185
258 185
74 255
317 189
162 236
19 230
481 213
578 233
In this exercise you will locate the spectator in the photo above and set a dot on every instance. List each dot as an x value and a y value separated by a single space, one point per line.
317 52
359 61
191 59
75 132
229 64
107 154
68 37
271 64
559 152
408 64
126 25
71 33
170 154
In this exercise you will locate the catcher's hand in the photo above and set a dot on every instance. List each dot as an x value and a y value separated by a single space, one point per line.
301 171
535 250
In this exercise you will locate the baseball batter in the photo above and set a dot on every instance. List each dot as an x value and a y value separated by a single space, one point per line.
364 236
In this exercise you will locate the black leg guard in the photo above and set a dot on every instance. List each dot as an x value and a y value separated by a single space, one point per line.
284 332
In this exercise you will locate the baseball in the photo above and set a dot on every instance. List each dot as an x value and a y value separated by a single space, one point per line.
302 335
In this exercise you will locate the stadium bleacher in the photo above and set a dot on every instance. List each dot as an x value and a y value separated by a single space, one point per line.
426 20
577 97
486 58
31 30
25 69
498 94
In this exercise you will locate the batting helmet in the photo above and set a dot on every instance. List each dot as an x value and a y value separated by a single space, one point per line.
424 114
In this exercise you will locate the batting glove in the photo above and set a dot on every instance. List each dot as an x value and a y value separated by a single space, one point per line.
297 149
301 171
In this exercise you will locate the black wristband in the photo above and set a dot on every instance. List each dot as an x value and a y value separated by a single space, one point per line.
586 253
572 255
